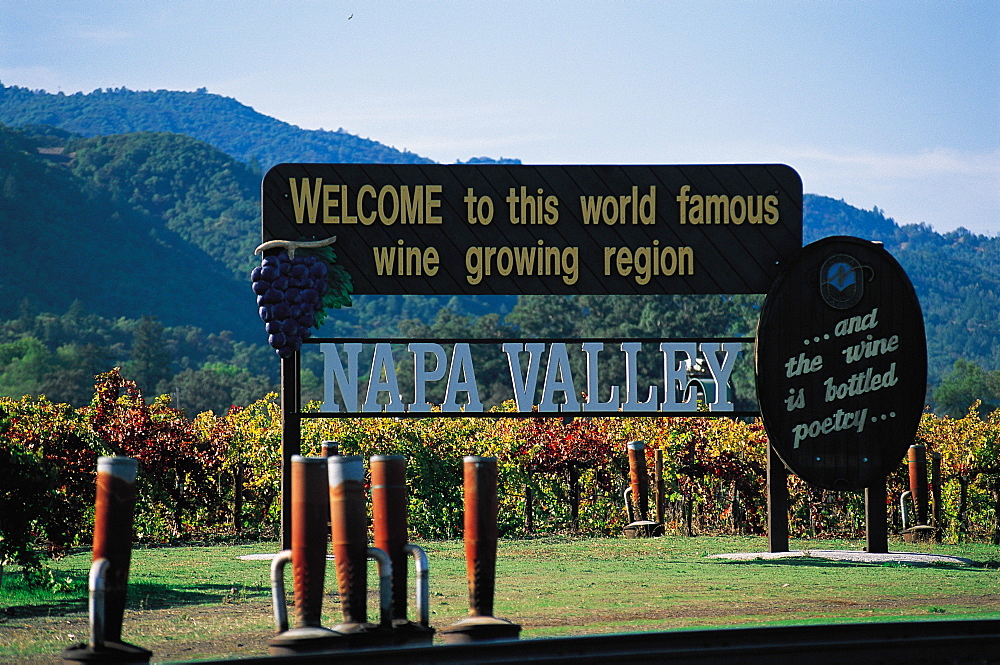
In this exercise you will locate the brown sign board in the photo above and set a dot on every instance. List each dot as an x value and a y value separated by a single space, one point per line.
841 362
516 229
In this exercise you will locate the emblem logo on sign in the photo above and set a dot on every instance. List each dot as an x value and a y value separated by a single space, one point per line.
841 281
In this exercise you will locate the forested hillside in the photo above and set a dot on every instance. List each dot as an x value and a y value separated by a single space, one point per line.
234 128
954 274
147 205
68 237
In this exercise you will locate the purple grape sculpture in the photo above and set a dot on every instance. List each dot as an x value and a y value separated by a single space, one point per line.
295 282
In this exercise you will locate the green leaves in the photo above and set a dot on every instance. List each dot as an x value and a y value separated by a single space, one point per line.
339 285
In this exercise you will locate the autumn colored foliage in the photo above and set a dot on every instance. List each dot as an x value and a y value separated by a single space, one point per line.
218 476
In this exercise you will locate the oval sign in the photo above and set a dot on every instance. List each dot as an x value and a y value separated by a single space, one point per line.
841 363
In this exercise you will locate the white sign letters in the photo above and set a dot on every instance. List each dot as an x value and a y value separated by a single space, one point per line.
688 369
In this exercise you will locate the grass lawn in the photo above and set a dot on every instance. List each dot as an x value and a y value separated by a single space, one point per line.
204 602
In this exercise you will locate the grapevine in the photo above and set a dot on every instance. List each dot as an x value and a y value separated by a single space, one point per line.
294 287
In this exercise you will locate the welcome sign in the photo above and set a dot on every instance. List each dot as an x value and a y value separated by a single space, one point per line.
514 229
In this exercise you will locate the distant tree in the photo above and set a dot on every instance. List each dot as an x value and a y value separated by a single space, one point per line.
23 363
967 383
72 379
150 360
28 367
545 316
214 387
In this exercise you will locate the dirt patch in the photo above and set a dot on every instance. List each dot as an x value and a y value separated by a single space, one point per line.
180 633
746 612
242 629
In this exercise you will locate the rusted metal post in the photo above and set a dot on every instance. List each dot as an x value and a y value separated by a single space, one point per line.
917 462
639 524
480 484
349 533
309 495
480 521
309 500
114 511
389 519
389 506
639 478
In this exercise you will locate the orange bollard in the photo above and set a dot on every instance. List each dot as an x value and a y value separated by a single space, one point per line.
389 508
641 526
480 521
349 533
917 462
639 478
308 556
916 458
389 520
114 512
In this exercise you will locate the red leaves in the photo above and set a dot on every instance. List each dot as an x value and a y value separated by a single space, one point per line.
555 447
171 460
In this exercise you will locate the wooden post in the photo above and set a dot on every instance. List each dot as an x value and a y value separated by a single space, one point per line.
876 526
963 506
660 485
936 495
238 499
529 510
777 502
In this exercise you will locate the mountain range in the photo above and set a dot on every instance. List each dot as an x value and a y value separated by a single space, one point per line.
147 204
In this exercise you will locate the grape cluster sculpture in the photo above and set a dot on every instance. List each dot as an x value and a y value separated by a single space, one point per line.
295 282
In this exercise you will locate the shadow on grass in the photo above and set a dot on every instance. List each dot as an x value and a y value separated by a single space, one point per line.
820 562
141 596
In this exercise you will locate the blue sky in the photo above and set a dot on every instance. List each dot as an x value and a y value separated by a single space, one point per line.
887 104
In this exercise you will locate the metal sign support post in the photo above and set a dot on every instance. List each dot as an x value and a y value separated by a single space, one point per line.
291 439
876 527
777 502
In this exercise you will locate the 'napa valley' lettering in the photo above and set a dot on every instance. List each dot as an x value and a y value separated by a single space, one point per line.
535 368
